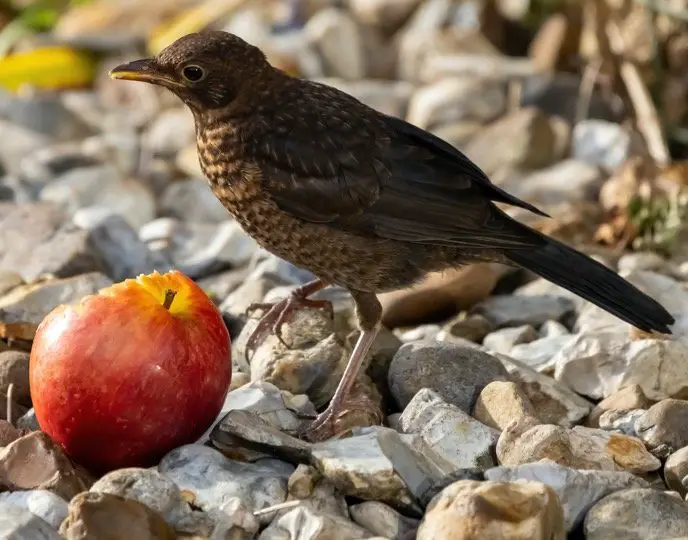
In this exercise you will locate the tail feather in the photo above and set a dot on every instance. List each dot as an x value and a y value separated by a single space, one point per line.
595 282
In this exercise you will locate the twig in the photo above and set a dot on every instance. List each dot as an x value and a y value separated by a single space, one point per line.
647 118
9 404
587 87
276 507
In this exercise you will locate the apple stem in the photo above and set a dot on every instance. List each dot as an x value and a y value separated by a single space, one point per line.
169 297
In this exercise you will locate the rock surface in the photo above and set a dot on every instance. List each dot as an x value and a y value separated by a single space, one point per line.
577 489
637 514
214 481
468 509
527 441
453 434
457 374
100 515
502 402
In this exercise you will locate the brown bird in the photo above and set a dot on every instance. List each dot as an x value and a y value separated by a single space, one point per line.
363 200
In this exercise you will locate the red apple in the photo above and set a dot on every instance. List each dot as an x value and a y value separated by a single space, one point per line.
132 372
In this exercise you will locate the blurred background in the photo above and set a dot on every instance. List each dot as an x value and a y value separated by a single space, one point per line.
580 107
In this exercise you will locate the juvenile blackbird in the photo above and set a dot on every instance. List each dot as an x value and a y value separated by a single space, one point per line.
363 200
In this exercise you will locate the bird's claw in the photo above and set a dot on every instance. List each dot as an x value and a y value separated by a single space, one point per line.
321 428
277 314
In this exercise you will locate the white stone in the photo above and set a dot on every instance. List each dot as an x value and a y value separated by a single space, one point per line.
214 481
665 290
149 487
574 407
540 354
454 99
17 523
454 435
577 489
338 38
357 466
598 364
44 504
603 143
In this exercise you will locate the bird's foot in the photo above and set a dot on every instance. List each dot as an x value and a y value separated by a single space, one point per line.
279 313
321 428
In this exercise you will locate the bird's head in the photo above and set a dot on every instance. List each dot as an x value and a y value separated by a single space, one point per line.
206 70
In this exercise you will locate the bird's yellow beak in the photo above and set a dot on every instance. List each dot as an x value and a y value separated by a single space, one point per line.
140 70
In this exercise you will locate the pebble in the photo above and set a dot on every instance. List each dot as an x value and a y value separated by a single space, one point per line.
49 245
25 307
624 399
664 289
606 144
213 480
598 364
171 131
527 441
676 471
102 515
19 142
101 185
148 487
307 523
251 291
554 402
553 329
122 253
664 426
46 505
388 97
358 467
568 181
458 374
502 402
34 462
503 340
28 421
476 510
455 99
382 520
17 523
641 261
192 200
244 436
522 139
471 327
637 514
312 361
14 370
540 354
388 15
440 293
577 489
278 408
200 249
507 311
338 39
623 422
451 433
8 433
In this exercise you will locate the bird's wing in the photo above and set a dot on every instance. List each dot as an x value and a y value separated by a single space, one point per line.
407 186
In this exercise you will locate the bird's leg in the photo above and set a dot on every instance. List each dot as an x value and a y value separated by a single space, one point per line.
369 314
279 312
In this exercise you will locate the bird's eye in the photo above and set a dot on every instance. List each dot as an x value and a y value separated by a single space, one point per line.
193 73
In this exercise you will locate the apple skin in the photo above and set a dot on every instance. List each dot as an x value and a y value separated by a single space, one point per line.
118 380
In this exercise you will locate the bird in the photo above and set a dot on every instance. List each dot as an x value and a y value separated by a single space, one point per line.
363 200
